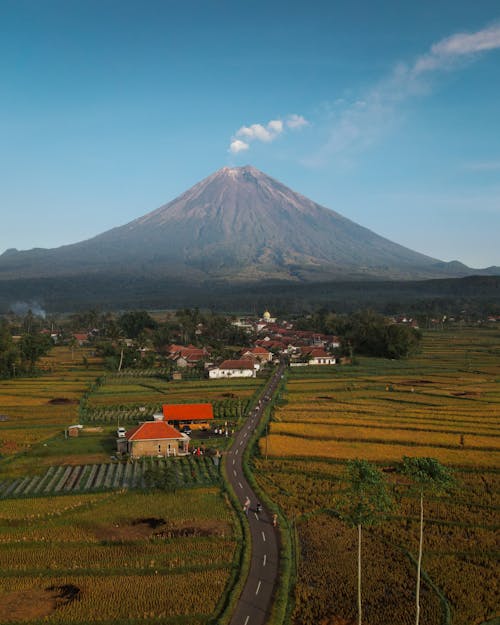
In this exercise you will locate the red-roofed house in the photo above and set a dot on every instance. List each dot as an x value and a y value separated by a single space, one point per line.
187 356
318 356
81 338
195 415
233 369
154 438
259 353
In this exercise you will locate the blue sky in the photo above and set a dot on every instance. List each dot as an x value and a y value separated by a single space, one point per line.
389 114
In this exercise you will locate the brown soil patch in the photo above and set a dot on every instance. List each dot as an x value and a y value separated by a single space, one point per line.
202 528
152 522
35 603
59 401
140 529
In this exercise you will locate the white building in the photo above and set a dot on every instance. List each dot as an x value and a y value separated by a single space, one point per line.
233 369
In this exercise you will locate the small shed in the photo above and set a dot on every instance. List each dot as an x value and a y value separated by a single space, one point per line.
74 430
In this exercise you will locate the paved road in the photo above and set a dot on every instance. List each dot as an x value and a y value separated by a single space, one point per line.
254 604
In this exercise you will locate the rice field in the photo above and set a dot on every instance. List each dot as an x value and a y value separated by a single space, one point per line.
131 390
34 409
444 403
183 472
119 557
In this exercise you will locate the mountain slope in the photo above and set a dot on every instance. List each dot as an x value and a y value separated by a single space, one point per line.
237 224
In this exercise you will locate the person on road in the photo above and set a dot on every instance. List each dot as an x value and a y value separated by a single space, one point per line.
258 508
275 520
246 505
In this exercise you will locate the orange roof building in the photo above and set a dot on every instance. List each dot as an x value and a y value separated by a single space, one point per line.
188 412
154 438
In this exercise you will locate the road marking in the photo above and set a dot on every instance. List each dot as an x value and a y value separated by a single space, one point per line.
241 443
263 537
245 434
234 473
240 484
234 461
236 451
256 516
246 620
265 559
258 587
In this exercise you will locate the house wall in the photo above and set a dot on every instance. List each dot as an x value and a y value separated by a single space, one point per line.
163 447
231 373
322 360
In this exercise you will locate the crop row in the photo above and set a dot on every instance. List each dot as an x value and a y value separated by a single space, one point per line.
223 409
170 473
140 373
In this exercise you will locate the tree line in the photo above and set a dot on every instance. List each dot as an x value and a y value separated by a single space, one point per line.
366 333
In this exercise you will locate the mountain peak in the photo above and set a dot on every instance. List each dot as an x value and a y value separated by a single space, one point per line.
237 172
238 224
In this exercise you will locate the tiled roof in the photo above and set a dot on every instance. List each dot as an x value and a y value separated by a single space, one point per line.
236 364
257 350
153 430
318 352
188 412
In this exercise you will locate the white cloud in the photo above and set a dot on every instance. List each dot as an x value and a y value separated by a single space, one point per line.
459 45
238 146
275 125
296 121
483 166
261 133
266 134
355 126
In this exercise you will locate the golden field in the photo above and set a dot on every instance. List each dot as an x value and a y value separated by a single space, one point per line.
444 403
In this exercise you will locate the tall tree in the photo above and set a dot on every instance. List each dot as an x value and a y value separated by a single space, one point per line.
9 352
365 502
33 347
428 477
134 322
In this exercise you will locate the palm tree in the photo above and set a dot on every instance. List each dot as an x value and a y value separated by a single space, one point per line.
365 501
429 477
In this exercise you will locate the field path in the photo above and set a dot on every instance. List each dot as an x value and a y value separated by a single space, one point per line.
254 604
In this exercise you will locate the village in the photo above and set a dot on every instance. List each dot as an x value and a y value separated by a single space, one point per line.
188 428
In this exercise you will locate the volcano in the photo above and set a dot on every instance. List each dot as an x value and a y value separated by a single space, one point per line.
236 225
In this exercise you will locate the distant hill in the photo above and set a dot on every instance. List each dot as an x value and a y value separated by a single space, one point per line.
237 225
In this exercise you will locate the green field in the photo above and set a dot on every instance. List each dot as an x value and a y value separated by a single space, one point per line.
37 410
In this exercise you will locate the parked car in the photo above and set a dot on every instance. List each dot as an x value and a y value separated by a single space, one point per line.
120 432
186 430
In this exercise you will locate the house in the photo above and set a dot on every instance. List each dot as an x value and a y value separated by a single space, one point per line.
197 416
154 438
187 356
318 356
233 369
81 338
258 353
